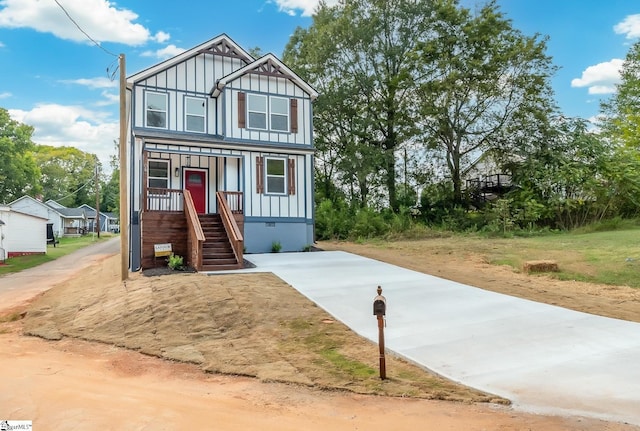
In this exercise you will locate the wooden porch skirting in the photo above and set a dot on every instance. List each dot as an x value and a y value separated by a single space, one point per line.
160 227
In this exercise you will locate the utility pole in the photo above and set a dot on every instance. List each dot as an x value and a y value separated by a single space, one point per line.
97 201
124 212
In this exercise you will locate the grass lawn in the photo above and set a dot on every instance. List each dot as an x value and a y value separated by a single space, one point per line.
608 257
66 246
611 257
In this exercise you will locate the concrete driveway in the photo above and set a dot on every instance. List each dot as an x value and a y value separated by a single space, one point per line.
545 359
19 287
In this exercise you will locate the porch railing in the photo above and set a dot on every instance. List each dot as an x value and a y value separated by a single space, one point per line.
231 227
159 199
195 235
234 201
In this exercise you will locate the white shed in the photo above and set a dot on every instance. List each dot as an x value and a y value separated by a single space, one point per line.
21 233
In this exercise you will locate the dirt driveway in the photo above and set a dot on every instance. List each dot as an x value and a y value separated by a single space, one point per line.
73 384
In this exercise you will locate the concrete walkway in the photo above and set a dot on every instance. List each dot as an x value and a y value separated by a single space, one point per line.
545 359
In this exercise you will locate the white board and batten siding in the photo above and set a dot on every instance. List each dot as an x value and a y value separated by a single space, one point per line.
192 78
236 170
297 205
268 86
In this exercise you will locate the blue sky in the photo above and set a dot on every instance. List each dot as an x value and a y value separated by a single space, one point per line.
53 78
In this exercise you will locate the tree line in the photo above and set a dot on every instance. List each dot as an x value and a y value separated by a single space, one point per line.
64 174
419 96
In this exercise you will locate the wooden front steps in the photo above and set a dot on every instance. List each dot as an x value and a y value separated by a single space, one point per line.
217 253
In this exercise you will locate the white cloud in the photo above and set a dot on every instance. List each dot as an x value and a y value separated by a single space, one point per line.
161 37
101 19
72 126
5 95
306 6
164 53
93 83
630 26
600 78
602 89
109 99
2 45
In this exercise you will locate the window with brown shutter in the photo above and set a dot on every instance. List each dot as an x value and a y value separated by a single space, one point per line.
242 110
259 175
292 176
294 115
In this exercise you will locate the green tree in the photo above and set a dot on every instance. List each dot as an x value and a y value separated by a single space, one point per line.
621 128
110 190
68 174
358 55
621 112
569 169
483 80
18 171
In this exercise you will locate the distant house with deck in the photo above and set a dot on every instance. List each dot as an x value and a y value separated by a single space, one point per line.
220 157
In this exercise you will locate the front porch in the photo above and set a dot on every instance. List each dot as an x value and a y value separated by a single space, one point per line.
207 241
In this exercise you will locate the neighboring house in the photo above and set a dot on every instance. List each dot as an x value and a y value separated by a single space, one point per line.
21 233
29 205
221 157
74 220
108 221
65 221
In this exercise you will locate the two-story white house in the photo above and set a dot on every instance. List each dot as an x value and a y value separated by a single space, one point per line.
221 157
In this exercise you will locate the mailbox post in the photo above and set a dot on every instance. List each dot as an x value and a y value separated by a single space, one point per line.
379 310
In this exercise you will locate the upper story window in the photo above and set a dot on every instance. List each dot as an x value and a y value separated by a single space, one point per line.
257 110
195 114
275 176
267 113
158 174
156 110
279 114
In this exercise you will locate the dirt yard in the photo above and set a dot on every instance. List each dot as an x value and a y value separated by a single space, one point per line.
73 384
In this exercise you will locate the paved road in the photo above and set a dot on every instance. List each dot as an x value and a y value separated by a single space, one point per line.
545 359
21 286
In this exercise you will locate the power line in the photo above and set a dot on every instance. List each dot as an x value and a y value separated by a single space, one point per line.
84 32
76 190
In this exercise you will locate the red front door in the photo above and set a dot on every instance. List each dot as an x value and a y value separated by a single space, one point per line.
195 182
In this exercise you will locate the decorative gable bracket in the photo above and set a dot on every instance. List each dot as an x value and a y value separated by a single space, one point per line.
270 68
225 49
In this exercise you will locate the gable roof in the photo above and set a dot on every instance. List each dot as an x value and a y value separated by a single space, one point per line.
221 45
8 209
53 204
27 197
47 205
268 65
72 212
90 212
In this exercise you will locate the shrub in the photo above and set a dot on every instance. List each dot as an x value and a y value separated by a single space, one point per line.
368 223
176 262
333 220
276 247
